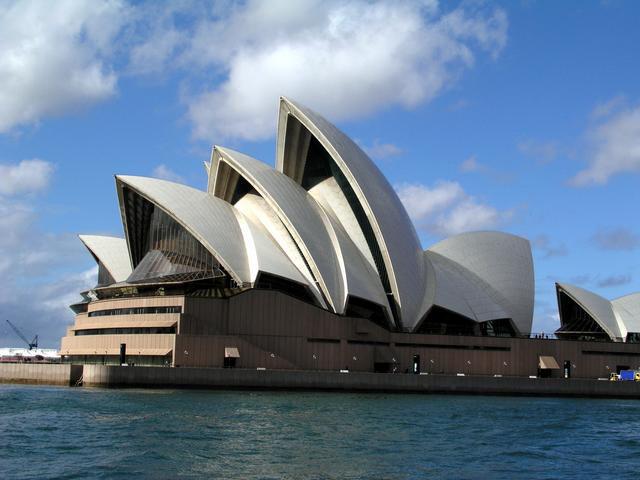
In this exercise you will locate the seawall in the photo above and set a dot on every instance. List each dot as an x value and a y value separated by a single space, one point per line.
40 373
111 376
217 378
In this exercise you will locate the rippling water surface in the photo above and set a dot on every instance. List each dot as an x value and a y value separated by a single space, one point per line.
48 432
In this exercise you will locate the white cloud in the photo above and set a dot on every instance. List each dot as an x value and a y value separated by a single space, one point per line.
165 173
446 209
615 146
616 239
382 151
28 176
614 280
344 59
548 249
541 152
471 164
53 57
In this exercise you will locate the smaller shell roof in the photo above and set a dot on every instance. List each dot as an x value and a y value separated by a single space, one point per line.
628 310
599 308
238 243
504 262
457 289
112 252
210 220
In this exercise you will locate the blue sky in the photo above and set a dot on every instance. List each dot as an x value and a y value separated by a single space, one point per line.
516 116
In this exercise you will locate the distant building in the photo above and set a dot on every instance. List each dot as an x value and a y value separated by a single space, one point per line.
33 355
313 264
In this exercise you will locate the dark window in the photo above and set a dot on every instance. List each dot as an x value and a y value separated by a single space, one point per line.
125 331
359 308
441 321
497 328
135 311
141 360
272 282
633 337
454 347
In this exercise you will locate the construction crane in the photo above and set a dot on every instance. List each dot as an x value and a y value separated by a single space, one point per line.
32 344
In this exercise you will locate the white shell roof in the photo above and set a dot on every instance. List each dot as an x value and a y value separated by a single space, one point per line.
303 217
239 244
317 239
393 229
112 252
504 262
255 209
461 291
359 277
598 307
628 310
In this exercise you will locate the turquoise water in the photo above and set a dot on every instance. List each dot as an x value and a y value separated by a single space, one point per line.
48 432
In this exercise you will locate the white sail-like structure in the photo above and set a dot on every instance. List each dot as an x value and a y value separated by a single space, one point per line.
325 226
587 315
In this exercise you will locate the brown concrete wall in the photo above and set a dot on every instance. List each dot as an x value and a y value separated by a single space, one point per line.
40 373
275 331
99 375
155 301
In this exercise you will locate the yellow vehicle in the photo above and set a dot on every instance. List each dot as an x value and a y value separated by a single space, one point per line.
614 377
636 377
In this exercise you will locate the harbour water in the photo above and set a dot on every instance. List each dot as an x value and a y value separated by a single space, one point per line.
49 432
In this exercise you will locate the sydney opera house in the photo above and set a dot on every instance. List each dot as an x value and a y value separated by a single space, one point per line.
315 265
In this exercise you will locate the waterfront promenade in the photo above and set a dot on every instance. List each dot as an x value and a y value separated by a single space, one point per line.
216 378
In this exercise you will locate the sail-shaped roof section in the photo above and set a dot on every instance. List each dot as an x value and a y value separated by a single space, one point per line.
598 308
111 252
239 244
458 290
305 221
627 309
303 137
502 261
209 220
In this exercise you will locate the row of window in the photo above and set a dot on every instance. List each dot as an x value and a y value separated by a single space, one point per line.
135 311
125 331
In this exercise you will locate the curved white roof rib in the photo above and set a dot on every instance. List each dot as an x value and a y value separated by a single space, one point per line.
627 309
210 220
305 221
360 277
267 236
332 199
112 252
395 237
504 262
238 243
599 308
263 253
455 288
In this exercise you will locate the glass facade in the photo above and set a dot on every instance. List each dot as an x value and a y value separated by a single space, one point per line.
136 311
125 331
138 360
577 324
162 250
